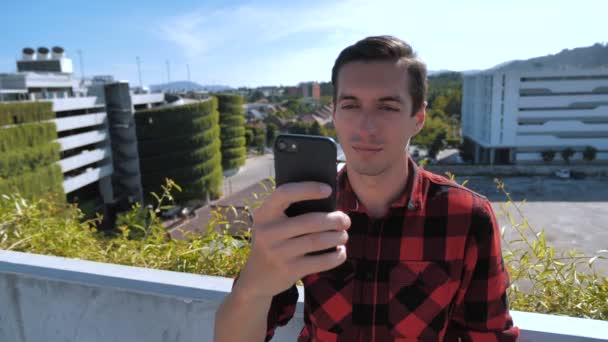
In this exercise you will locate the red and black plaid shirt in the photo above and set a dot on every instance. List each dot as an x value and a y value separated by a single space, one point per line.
430 270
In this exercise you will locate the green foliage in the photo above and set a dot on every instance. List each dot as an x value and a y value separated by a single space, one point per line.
589 153
317 129
182 143
232 123
26 135
259 137
272 131
567 153
433 133
44 226
44 180
543 279
19 161
548 155
12 113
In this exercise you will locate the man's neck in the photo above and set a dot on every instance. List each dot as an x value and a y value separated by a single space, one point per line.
376 193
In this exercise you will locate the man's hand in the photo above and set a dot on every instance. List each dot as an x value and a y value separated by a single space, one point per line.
277 258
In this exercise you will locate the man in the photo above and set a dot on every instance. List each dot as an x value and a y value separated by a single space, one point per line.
418 256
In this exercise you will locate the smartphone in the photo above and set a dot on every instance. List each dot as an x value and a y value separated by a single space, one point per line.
299 158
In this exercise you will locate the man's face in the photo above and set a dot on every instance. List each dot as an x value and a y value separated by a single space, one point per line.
373 115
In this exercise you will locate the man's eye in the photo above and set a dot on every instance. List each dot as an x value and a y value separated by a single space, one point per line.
391 109
348 106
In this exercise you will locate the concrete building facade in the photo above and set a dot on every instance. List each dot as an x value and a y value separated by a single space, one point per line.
512 116
95 126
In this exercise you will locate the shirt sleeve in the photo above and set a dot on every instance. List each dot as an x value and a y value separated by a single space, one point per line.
481 311
282 309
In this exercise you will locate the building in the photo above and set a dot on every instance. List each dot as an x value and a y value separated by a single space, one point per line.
310 89
94 123
511 116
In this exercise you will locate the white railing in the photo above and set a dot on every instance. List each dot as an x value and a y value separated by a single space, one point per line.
89 176
80 121
76 103
82 139
84 158
46 298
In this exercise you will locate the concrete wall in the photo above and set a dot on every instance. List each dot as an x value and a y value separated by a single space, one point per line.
516 170
52 299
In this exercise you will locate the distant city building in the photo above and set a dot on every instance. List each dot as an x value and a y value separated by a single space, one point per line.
310 89
95 126
511 116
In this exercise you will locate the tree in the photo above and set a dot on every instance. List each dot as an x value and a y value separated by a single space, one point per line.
589 153
317 129
326 100
271 133
433 127
437 145
298 128
548 155
567 153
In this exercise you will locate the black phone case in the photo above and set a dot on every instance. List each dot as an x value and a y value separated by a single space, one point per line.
314 160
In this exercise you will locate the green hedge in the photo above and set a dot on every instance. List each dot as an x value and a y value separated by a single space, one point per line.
19 161
234 142
181 143
24 112
232 123
34 184
26 135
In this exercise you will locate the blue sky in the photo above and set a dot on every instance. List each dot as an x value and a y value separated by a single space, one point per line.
251 43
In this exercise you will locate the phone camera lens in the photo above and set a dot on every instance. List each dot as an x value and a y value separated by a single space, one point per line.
282 145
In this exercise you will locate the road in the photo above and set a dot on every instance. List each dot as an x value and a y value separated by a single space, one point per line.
254 170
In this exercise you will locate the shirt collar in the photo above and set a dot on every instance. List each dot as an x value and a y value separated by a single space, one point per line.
409 198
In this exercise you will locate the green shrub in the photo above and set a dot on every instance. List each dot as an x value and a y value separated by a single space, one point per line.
30 185
19 161
182 143
44 226
26 135
232 123
548 155
546 280
12 113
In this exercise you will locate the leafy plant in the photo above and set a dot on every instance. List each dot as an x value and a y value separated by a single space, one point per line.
567 153
548 155
546 280
589 153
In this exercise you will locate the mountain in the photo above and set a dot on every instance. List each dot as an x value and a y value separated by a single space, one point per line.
187 86
583 57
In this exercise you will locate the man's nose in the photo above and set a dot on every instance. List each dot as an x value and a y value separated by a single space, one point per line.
367 123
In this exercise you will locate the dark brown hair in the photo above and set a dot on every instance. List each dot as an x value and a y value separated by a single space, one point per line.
386 48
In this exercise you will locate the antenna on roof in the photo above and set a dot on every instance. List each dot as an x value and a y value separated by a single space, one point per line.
139 72
81 66
168 71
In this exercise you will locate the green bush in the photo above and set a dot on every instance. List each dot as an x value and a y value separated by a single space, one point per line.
46 179
232 123
182 143
19 161
44 226
26 135
546 280
12 113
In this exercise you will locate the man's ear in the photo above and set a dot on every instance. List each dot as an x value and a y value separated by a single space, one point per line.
420 117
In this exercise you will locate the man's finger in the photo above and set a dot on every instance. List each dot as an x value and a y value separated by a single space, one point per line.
286 194
309 264
292 227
